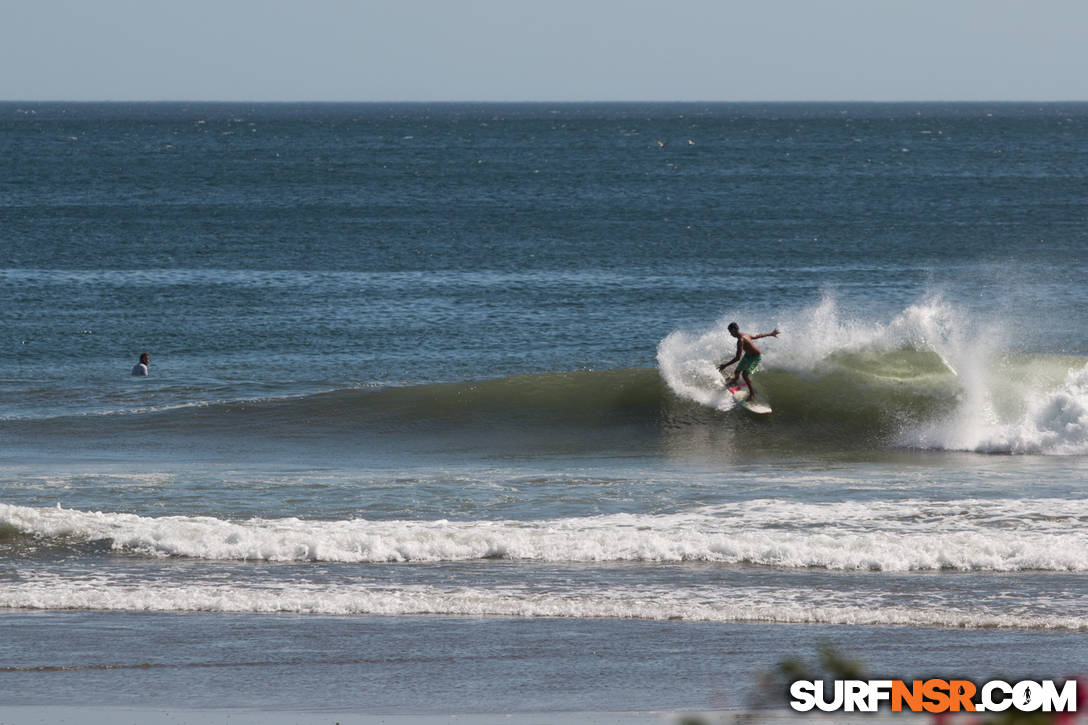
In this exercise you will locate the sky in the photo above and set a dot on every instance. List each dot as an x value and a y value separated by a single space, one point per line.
544 50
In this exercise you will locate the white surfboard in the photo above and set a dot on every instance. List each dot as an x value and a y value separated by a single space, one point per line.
741 396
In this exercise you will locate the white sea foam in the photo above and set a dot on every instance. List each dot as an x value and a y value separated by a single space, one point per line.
687 360
714 604
1053 421
811 335
1038 407
911 535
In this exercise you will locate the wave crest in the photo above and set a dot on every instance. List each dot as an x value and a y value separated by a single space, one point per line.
931 378
968 535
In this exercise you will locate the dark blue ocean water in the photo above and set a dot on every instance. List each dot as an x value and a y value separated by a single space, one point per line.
417 363
343 243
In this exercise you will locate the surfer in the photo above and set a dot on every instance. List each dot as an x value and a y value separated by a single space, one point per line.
749 356
140 368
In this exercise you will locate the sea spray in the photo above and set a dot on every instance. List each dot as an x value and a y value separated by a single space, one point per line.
816 341
1052 420
931 377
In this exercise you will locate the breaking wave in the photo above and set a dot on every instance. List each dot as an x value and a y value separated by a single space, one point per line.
931 378
913 535
928 379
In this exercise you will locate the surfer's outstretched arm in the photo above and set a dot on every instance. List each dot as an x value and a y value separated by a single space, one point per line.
766 334
724 365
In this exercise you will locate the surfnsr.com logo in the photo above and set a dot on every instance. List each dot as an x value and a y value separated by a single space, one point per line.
933 696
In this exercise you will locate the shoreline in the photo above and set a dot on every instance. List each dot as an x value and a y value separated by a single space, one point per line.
103 715
62 715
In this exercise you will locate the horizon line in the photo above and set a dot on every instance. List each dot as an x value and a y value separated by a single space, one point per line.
535 102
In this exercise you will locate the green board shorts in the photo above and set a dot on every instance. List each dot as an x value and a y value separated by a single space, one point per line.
749 363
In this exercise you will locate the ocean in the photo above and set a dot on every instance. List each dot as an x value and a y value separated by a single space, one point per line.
433 422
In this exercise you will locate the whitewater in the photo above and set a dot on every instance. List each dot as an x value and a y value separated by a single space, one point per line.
939 378
905 535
